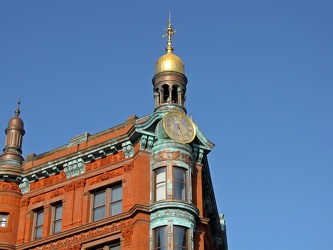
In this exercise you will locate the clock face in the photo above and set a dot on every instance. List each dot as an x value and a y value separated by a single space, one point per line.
179 127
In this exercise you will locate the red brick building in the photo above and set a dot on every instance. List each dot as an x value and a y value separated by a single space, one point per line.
144 184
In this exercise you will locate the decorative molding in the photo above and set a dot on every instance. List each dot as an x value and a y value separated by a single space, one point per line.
150 143
74 247
198 155
166 213
75 240
143 143
56 193
147 142
9 186
74 185
25 202
37 199
170 155
105 161
128 167
74 168
127 235
105 176
44 182
128 149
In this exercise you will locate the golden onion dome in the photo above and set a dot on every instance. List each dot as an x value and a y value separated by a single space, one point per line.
169 61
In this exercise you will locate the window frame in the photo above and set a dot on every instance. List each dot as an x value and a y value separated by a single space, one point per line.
161 182
170 194
54 219
166 229
108 204
4 215
38 225
174 182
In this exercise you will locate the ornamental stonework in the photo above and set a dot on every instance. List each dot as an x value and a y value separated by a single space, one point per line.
9 186
127 235
56 193
37 199
25 202
128 167
106 176
172 213
76 240
177 155
105 161
47 181
74 185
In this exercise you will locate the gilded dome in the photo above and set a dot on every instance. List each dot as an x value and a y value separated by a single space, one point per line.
169 62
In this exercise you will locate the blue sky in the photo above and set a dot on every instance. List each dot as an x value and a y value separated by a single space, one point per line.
260 88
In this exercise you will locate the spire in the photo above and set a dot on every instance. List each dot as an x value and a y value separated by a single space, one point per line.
169 33
17 111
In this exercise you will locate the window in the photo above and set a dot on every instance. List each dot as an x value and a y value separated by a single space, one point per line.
39 220
180 238
106 203
178 180
160 184
57 218
179 184
4 219
160 238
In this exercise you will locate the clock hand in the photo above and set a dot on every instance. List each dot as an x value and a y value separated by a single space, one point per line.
180 129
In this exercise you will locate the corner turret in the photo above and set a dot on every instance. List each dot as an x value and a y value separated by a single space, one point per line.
11 158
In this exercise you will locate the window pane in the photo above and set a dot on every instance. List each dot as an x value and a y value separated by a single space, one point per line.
99 199
179 175
179 185
179 191
116 208
39 224
98 213
116 194
40 218
57 227
160 184
160 191
58 212
38 232
160 175
3 220
160 238
180 237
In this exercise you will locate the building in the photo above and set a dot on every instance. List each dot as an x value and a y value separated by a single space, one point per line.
144 184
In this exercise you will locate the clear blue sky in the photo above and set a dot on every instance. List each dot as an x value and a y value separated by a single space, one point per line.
260 87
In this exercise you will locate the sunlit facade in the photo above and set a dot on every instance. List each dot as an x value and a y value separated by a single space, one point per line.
143 184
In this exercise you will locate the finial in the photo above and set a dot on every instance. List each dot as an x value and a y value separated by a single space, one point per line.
169 33
17 111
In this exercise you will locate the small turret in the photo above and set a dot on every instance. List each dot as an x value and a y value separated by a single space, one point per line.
169 80
11 156
11 172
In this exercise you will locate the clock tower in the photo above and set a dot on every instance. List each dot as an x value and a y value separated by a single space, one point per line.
183 213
